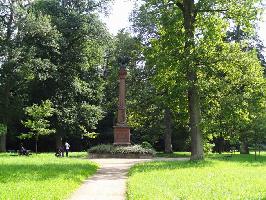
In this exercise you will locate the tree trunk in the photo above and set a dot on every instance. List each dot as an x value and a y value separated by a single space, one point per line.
8 81
194 119
193 95
3 143
168 131
244 148
36 146
220 141
58 141
5 117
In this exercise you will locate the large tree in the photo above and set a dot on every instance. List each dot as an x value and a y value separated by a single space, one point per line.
76 88
187 37
52 50
9 55
19 60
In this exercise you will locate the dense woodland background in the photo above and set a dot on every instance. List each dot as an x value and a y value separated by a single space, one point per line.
195 75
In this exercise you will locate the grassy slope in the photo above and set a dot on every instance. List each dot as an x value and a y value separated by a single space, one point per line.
42 176
218 177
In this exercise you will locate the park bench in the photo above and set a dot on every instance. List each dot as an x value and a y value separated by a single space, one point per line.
27 153
17 152
233 150
12 152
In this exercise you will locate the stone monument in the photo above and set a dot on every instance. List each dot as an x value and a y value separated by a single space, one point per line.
121 129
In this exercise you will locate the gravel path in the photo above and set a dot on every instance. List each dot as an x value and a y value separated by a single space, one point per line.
109 183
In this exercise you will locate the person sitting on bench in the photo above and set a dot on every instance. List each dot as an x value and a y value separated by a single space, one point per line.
23 150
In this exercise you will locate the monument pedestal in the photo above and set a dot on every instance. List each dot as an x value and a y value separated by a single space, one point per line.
121 135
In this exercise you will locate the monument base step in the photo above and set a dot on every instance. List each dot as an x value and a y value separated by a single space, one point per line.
128 156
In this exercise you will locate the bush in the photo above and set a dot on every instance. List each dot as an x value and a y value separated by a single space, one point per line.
110 149
146 145
102 148
208 147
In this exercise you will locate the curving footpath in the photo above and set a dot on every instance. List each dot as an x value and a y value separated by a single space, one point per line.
109 182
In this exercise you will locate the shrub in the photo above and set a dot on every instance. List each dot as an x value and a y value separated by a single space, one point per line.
102 148
146 145
207 147
134 149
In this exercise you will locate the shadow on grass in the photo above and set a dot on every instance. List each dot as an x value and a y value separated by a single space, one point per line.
241 158
169 165
173 155
82 156
19 172
208 162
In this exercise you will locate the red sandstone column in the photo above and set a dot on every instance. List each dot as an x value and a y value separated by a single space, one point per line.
121 130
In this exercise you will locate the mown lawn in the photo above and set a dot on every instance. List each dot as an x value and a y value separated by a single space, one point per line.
42 176
173 155
218 177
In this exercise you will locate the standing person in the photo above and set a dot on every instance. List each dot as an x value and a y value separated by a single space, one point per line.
67 146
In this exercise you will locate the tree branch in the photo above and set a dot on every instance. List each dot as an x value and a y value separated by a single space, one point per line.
209 10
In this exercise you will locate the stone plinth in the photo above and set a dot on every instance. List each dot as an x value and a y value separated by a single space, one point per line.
121 135
128 155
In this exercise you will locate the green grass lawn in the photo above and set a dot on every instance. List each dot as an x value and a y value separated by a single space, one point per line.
218 177
42 176
174 155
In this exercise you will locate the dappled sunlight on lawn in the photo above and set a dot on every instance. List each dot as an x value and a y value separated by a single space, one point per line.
217 177
41 176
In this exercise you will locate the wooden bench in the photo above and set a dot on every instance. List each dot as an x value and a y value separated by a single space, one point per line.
233 150
17 152
27 153
12 152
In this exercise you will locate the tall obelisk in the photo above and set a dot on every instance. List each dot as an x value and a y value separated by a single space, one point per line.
121 129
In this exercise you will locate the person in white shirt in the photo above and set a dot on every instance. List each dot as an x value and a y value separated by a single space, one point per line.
67 146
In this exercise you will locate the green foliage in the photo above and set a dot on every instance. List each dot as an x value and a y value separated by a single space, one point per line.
135 149
60 50
76 87
87 134
208 147
102 148
146 145
142 106
3 129
173 155
38 122
202 63
12 59
42 176
91 135
108 148
218 177
25 40
52 50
